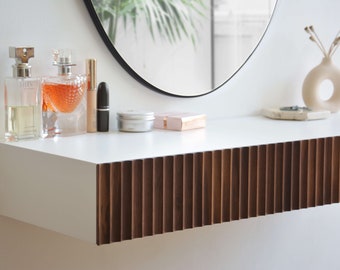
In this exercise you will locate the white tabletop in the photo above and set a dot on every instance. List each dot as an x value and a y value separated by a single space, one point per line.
219 134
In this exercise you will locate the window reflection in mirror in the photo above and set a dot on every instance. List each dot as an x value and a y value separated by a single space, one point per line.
184 47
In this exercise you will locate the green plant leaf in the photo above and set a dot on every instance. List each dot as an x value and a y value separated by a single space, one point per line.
170 19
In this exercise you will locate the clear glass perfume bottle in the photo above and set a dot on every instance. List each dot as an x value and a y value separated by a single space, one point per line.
22 98
64 99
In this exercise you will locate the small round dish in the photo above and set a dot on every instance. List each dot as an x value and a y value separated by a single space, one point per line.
135 121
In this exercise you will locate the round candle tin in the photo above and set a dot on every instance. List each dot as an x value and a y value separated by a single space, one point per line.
135 121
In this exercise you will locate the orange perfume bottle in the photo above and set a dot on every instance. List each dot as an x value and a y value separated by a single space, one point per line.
64 99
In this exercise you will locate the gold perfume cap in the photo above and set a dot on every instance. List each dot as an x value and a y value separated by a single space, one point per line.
21 68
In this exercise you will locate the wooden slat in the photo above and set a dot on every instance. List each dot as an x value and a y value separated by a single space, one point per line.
217 186
188 192
261 176
235 184
244 182
137 199
335 170
311 184
303 176
147 196
115 201
198 190
103 205
295 175
287 177
327 173
207 188
168 194
253 181
156 195
278 173
226 185
270 178
126 195
178 193
319 167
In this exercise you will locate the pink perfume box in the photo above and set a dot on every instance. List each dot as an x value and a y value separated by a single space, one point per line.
179 120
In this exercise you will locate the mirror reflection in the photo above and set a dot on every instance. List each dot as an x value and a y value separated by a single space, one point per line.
182 47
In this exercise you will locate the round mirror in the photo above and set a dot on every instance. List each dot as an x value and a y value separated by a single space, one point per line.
183 48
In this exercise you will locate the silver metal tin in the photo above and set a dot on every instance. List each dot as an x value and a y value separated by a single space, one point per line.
135 121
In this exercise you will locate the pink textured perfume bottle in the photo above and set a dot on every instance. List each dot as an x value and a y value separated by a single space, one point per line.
64 99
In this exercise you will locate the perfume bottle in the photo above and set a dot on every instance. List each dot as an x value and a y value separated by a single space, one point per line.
22 98
64 99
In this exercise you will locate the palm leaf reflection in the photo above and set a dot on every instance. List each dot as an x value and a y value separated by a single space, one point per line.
169 19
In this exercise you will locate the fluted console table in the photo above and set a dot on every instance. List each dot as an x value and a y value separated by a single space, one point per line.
110 187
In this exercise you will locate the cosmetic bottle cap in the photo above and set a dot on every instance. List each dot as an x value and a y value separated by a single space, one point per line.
21 68
63 60
103 96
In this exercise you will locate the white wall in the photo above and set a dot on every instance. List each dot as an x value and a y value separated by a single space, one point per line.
306 239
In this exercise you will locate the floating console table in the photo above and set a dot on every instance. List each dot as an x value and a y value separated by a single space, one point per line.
108 188
157 195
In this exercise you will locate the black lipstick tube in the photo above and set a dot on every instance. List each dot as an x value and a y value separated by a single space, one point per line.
103 107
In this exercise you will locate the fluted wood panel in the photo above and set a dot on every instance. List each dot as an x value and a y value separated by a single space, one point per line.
152 196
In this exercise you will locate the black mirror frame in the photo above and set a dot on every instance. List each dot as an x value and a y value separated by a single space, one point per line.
135 75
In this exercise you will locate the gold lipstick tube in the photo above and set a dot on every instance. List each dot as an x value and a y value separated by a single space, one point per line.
91 72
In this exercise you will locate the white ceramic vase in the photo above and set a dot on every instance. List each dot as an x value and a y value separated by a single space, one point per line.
326 70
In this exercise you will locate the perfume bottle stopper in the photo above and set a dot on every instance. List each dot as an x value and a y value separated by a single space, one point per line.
63 60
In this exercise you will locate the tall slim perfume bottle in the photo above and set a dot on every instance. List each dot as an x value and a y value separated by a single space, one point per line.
22 98
64 99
